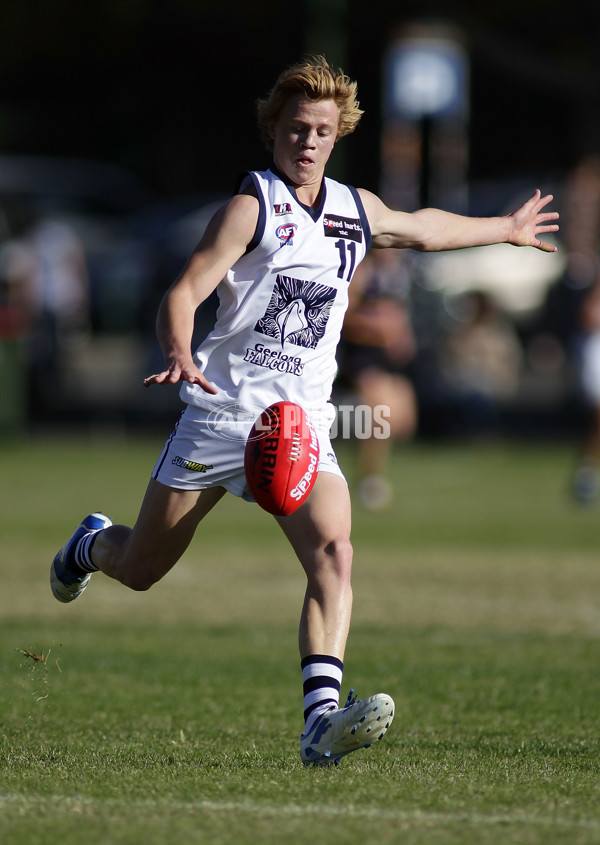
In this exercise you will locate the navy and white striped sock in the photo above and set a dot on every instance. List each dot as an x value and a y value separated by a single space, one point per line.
82 553
321 682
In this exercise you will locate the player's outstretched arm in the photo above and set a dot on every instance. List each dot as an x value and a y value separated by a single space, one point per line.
433 230
226 238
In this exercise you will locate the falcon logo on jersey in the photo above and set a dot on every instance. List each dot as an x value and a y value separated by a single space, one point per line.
286 233
281 208
342 227
297 312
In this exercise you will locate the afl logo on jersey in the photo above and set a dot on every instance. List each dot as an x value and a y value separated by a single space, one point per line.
286 233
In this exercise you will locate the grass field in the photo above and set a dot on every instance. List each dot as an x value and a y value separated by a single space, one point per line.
173 716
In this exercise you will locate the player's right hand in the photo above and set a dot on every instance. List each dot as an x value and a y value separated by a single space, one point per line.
176 373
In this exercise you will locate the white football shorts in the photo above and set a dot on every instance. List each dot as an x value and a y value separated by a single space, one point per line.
207 450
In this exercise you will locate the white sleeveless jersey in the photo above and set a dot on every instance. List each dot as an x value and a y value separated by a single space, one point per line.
283 303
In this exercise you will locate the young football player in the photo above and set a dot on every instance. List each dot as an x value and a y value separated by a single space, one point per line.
281 254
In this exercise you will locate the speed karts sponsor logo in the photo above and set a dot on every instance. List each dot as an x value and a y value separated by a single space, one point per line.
342 227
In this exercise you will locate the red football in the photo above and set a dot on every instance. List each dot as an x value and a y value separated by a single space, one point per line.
281 458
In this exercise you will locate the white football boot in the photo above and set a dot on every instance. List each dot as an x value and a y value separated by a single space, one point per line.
342 730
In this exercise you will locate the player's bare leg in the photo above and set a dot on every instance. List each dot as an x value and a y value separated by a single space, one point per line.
166 524
139 556
319 532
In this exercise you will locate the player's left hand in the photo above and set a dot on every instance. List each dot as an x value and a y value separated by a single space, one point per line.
528 222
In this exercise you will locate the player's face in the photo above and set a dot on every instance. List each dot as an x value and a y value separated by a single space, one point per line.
303 138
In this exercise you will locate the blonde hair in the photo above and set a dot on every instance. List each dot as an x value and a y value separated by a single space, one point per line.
316 80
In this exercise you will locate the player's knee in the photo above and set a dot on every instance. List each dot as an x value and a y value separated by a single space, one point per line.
339 555
140 585
138 579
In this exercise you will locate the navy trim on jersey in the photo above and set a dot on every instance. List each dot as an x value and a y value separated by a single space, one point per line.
262 217
364 222
242 183
315 213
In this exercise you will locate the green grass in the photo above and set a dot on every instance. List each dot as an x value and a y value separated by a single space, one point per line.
173 716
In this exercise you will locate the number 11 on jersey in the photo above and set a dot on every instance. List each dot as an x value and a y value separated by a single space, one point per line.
344 247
